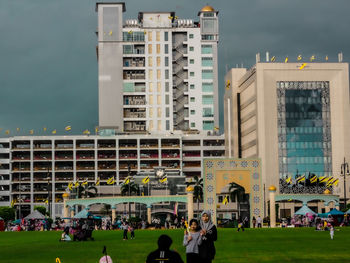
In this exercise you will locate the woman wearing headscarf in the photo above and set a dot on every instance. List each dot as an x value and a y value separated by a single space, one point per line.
209 235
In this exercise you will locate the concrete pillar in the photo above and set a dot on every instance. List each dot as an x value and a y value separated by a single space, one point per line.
327 208
114 214
65 207
272 193
149 214
189 203
72 210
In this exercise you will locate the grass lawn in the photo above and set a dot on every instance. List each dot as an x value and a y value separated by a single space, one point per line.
253 245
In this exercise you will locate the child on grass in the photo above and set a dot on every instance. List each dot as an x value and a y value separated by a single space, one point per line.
192 240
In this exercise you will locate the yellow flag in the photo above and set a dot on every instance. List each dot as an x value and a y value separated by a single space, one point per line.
96 129
111 180
323 179
7 132
302 65
46 201
70 186
17 129
86 132
68 128
176 17
44 129
335 182
225 201
289 180
13 203
85 182
54 132
313 179
170 17
312 58
76 185
164 179
228 84
299 58
31 131
98 181
326 58
273 59
127 180
130 32
110 33
144 32
286 60
145 180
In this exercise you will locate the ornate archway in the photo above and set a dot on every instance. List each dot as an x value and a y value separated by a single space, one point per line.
218 172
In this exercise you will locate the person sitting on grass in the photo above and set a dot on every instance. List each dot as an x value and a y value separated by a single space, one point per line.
192 240
163 254
65 236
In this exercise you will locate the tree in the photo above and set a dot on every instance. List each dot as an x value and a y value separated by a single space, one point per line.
237 192
85 191
105 209
129 189
7 213
197 190
41 209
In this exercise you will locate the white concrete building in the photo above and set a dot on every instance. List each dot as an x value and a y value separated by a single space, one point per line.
296 119
4 172
168 68
39 166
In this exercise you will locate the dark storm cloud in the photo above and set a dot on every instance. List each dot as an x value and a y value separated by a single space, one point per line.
48 67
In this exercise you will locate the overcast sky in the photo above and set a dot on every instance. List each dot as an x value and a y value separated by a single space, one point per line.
48 67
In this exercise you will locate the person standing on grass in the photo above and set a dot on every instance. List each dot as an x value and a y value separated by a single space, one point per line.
331 231
192 240
163 254
125 228
208 233
259 221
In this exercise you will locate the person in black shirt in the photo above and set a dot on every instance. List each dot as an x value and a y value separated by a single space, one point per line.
163 254
209 235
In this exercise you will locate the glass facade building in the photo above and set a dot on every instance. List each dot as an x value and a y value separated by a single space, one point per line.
304 141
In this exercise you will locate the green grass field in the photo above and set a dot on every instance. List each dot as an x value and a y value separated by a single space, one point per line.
253 245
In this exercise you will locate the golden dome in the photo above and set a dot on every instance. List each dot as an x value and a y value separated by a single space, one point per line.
272 188
190 189
327 192
207 8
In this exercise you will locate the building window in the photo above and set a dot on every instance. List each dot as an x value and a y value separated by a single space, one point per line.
151 99
208 125
149 48
207 62
128 49
166 48
207 87
191 74
166 36
208 37
158 48
159 99
191 35
192 99
167 125
150 86
158 61
166 86
159 113
207 100
149 33
191 61
158 74
159 87
193 125
150 61
166 61
191 48
157 36
167 99
207 74
208 112
150 125
150 112
192 86
150 74
193 112
167 74
167 112
208 14
159 125
207 49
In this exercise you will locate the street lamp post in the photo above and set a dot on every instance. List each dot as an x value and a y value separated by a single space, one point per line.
344 172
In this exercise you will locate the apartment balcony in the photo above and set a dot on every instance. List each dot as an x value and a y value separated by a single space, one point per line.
20 158
134 100
107 156
21 169
130 126
128 156
149 156
64 168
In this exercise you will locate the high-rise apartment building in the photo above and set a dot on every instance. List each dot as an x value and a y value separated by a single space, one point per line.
295 117
158 72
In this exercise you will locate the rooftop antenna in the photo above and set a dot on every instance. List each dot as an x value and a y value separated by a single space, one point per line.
267 56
